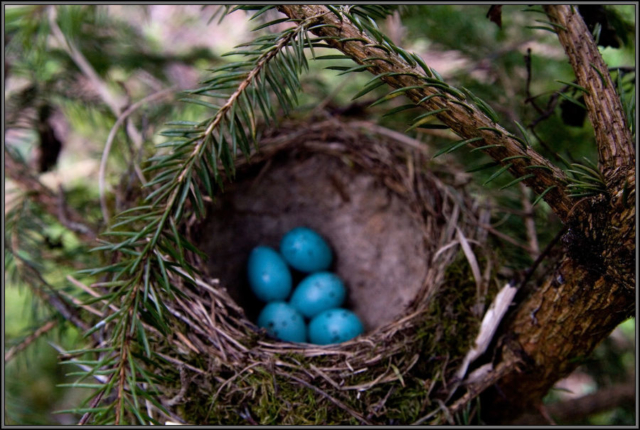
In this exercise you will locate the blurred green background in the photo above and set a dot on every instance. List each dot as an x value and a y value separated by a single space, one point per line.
141 50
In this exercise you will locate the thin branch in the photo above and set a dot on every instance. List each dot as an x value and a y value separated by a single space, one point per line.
114 102
52 297
542 256
63 208
46 198
112 134
111 100
333 400
329 98
94 403
505 237
395 135
263 60
529 222
201 143
530 99
546 146
616 148
464 119
570 411
9 355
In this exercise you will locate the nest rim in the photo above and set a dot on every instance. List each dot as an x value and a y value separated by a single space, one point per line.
340 139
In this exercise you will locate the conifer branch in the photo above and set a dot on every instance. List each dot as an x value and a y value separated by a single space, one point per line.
114 102
465 114
47 327
46 198
112 135
154 249
616 148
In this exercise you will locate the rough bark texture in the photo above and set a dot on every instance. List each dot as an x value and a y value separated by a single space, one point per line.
615 146
463 120
592 290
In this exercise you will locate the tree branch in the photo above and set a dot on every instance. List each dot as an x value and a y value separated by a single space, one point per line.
50 202
588 295
464 119
9 355
114 102
559 325
48 294
112 134
573 410
616 148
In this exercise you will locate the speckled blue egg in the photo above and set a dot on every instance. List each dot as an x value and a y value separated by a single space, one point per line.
334 326
305 250
318 292
269 275
282 321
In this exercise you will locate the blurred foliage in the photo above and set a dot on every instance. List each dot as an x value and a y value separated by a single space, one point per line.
134 63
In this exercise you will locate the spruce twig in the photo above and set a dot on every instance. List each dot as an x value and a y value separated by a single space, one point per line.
107 147
144 274
15 350
410 81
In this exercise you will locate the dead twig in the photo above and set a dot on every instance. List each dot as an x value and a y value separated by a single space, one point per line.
94 403
29 340
505 237
109 98
333 400
572 410
50 295
107 147
529 221
51 203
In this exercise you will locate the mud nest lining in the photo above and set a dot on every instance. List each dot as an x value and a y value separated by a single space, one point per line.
392 225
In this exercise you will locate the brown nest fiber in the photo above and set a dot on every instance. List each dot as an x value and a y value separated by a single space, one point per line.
394 226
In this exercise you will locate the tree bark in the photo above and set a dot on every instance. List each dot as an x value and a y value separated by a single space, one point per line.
613 137
592 290
466 121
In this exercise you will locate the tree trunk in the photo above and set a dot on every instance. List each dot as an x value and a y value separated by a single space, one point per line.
592 290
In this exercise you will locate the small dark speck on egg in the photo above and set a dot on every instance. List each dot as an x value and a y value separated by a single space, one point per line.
284 323
332 294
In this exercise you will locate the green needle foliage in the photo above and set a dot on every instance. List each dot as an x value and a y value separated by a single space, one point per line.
194 161
587 180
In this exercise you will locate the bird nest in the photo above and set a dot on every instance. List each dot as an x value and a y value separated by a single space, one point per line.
394 220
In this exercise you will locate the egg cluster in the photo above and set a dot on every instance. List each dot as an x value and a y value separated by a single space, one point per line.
316 298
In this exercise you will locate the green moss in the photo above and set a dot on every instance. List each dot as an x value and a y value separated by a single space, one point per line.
264 396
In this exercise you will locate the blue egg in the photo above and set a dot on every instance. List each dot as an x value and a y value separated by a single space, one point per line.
282 321
318 292
269 275
305 250
334 326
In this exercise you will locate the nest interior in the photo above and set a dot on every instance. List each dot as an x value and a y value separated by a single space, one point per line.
394 227
371 231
